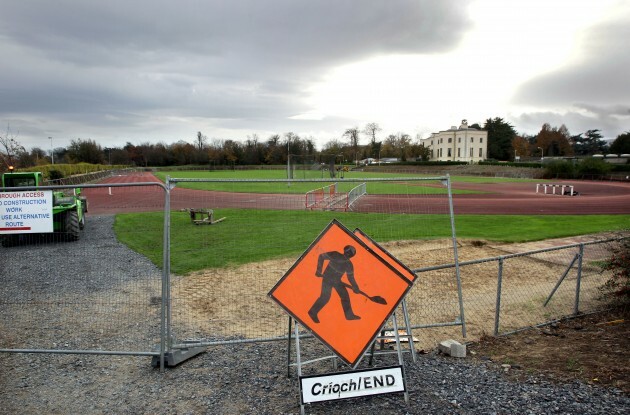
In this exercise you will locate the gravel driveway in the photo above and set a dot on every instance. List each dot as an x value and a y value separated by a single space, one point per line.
236 379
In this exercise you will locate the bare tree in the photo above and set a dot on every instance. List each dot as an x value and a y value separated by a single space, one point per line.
201 141
353 136
10 148
370 130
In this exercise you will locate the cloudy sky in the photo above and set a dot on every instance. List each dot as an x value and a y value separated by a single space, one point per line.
156 70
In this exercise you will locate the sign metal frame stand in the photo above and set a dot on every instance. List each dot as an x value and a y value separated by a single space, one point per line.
294 329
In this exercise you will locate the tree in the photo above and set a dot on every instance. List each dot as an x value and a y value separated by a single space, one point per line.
500 137
85 151
554 141
353 136
370 130
621 145
232 151
418 151
10 149
521 146
274 153
588 143
201 141
38 156
332 148
389 146
137 154
253 151
404 142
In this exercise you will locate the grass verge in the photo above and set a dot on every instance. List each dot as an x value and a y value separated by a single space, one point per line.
241 237
418 187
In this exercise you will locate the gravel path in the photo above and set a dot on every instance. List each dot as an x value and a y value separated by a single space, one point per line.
241 379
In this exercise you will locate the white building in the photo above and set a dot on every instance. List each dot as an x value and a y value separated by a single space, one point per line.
458 144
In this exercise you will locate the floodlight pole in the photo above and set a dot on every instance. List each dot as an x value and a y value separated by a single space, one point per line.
52 151
542 154
288 161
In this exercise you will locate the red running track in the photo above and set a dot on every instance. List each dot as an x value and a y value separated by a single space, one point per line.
499 199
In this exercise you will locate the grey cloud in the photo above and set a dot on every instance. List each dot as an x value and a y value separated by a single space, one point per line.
281 31
592 93
232 60
600 78
606 111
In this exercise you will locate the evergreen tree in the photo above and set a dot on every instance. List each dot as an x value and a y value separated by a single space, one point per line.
588 143
621 145
500 137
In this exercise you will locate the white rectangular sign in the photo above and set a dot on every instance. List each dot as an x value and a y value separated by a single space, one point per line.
352 384
28 211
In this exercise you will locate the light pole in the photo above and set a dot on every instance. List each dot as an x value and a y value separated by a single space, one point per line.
288 161
542 154
52 152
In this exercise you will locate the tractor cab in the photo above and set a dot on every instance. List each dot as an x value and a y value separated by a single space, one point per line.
22 179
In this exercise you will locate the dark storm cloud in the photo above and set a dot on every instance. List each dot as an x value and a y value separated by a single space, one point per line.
215 59
594 91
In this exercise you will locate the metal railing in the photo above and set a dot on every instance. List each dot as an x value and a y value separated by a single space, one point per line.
510 292
100 309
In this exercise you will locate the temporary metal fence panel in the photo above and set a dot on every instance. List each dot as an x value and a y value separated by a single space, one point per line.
223 272
356 193
94 295
509 292
319 198
142 282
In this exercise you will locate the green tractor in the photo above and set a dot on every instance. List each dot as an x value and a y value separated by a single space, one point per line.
68 210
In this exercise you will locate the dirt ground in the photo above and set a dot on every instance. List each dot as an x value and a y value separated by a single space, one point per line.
592 348
211 302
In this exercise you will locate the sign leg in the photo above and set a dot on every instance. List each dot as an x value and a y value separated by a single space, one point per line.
399 350
289 349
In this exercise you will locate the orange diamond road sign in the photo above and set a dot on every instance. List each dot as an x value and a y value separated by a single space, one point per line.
342 291
382 252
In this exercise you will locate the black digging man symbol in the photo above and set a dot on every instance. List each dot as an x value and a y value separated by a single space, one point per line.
338 264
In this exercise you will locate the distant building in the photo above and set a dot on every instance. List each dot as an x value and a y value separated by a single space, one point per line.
458 144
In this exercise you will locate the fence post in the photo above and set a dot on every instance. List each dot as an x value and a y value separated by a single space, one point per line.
456 256
497 311
165 342
578 282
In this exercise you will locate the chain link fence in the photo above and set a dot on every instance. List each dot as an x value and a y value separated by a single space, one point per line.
173 283
510 292
91 295
223 272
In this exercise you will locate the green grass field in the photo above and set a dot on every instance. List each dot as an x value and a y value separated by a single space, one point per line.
239 239
301 188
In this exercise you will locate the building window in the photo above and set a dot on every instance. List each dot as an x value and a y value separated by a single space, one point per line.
481 139
459 152
471 153
449 153
481 152
449 139
459 139
472 139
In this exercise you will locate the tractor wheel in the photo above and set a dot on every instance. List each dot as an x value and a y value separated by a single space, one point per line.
71 225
